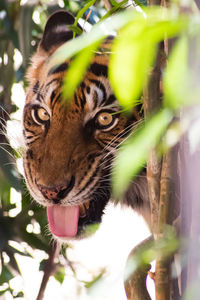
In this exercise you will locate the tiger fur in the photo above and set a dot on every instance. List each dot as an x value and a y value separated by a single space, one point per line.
70 148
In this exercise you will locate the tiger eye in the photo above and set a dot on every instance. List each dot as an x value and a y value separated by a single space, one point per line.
105 118
42 114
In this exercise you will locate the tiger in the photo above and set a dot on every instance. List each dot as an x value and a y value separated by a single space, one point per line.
71 148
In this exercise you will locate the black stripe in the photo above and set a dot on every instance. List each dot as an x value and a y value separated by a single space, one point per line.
100 143
83 98
28 130
29 170
36 86
32 136
99 69
55 100
91 179
53 94
76 100
53 80
111 99
40 97
61 68
30 143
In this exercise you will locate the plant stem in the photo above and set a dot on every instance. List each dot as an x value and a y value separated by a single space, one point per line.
48 270
107 4
135 285
152 102
167 198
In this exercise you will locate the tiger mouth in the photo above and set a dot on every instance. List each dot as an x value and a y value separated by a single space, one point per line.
71 221
83 208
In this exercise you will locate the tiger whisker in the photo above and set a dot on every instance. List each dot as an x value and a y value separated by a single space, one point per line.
10 154
4 111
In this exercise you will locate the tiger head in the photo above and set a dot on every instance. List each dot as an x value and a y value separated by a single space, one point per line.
70 147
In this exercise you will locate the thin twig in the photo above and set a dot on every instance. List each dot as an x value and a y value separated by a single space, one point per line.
108 5
48 270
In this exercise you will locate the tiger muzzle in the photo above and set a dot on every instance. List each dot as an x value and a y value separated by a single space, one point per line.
56 193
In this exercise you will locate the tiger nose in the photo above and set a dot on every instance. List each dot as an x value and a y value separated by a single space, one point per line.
57 193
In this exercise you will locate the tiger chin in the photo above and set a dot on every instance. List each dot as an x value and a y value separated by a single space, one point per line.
70 148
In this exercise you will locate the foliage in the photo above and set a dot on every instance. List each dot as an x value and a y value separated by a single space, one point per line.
132 58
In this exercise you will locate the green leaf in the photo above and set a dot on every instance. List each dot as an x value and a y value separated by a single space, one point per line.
97 33
77 69
91 229
116 7
60 275
75 29
90 284
133 54
181 80
8 169
81 13
6 275
134 152
2 292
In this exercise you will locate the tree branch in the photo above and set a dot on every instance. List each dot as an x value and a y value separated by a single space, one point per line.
152 103
48 270
167 213
107 4
135 285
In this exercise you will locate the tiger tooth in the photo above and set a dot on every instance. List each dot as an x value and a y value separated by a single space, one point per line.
82 210
86 204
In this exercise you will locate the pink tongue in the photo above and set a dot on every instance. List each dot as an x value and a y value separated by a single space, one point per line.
63 220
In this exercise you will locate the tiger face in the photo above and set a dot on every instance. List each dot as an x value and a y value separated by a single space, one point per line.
70 147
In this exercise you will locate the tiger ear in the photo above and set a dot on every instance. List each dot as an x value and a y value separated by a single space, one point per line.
57 30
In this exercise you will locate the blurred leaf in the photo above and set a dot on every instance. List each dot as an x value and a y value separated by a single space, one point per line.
133 154
97 33
116 22
114 9
34 241
91 229
4 291
75 29
25 36
150 250
133 54
60 275
43 264
90 284
77 69
19 295
81 13
181 79
8 169
12 250
6 275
